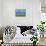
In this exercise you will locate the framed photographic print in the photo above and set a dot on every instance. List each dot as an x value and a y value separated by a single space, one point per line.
20 12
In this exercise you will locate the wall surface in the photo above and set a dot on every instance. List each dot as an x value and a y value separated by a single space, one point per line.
32 12
36 12
0 13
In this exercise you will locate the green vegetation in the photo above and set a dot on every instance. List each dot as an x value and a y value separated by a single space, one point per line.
41 26
20 15
34 39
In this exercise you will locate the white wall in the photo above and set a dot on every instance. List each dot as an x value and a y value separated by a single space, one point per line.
32 12
0 12
36 12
